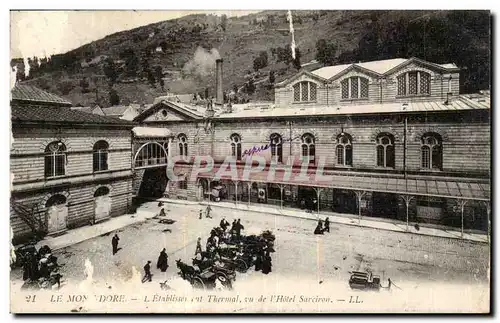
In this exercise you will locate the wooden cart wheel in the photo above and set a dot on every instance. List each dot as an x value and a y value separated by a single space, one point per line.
241 266
198 283
225 281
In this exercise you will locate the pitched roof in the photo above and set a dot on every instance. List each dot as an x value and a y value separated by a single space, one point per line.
379 67
116 110
23 92
48 114
83 109
460 104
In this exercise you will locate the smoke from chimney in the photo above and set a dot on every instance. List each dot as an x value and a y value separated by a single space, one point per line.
202 63
218 82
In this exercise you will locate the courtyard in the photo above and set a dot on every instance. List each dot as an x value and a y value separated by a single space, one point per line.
301 257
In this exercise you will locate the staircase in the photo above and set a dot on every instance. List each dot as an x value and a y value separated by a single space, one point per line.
28 215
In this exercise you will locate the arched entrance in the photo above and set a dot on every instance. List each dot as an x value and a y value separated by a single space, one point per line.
102 204
56 214
154 182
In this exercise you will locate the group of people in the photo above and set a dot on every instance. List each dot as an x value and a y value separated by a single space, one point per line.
320 229
40 266
263 262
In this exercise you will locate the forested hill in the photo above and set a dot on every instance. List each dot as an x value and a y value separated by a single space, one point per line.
179 55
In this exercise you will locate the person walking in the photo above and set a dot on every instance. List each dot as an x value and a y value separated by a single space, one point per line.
162 212
209 209
198 247
114 243
162 262
319 228
201 214
327 225
147 272
267 264
238 228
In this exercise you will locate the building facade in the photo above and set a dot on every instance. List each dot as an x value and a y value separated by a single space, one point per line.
68 168
395 137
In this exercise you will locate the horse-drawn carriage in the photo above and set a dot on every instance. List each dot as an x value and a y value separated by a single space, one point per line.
206 278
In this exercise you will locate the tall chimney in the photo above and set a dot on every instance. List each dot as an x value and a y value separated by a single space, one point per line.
219 100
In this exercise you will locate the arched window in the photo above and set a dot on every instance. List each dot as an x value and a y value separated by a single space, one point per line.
308 147
100 155
101 191
151 153
55 159
344 150
183 145
57 199
431 151
276 143
414 83
304 92
354 87
385 150
236 146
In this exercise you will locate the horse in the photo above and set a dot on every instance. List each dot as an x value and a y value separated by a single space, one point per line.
185 269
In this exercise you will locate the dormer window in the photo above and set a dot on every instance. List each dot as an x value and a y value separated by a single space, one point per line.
304 92
354 88
414 83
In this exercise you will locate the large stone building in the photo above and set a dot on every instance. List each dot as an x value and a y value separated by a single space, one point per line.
68 168
396 136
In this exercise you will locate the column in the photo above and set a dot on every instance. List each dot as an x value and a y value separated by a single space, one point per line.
318 193
236 192
249 185
407 199
359 195
281 194
461 205
209 190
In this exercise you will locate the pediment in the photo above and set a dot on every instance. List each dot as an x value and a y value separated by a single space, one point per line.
167 111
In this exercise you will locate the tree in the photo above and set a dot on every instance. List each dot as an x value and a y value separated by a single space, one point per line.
131 61
151 78
65 86
206 93
110 71
260 61
325 52
296 61
271 77
159 76
84 84
223 22
250 87
114 99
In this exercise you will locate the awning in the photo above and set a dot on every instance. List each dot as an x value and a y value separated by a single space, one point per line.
149 132
447 188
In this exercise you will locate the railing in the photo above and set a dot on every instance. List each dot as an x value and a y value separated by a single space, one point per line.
28 216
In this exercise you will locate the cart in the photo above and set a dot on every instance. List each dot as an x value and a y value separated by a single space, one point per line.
361 280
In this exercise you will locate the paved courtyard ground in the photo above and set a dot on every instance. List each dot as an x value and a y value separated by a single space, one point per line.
300 255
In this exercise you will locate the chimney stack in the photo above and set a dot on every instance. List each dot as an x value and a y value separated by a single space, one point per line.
218 82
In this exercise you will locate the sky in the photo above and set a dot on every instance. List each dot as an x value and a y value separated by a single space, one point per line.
43 33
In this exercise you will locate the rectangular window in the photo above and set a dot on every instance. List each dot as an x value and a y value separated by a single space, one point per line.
183 184
412 83
354 87
364 88
402 84
60 163
312 92
340 155
425 157
425 83
305 91
296 92
345 89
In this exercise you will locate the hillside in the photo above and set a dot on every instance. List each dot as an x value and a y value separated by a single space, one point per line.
186 50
